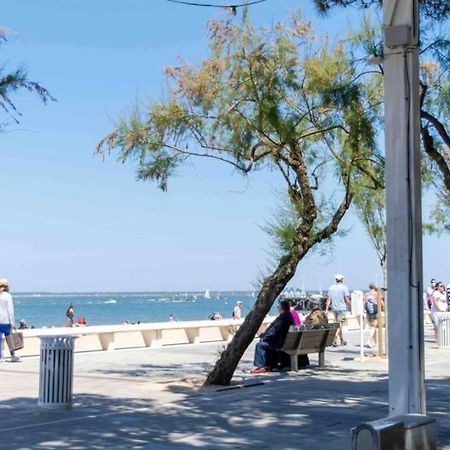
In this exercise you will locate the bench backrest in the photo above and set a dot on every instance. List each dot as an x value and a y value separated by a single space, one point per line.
309 338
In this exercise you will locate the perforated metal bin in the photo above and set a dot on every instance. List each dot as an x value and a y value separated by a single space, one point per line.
56 371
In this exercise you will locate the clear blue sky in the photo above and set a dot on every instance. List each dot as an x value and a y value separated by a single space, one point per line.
71 222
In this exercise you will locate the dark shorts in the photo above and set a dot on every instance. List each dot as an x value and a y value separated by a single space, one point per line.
5 328
372 319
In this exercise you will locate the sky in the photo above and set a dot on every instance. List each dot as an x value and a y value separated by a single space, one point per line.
71 221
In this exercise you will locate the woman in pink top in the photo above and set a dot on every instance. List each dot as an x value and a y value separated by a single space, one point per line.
294 313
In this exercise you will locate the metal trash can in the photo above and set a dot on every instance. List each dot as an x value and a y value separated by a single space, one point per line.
383 434
443 329
404 432
56 371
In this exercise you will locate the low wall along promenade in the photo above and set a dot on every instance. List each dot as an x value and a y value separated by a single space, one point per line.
111 337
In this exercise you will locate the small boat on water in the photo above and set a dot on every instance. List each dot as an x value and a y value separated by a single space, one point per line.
207 294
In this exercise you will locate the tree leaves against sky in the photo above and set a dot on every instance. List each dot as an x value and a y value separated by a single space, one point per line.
280 99
10 82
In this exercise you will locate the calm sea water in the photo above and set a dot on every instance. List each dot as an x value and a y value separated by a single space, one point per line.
114 308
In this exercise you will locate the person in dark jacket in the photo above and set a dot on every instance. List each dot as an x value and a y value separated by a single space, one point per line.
272 340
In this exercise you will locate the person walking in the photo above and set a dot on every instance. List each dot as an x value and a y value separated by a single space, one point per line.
371 308
438 304
7 323
339 298
429 292
237 311
70 314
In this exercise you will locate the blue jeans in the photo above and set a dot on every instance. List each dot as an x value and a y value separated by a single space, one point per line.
265 355
5 329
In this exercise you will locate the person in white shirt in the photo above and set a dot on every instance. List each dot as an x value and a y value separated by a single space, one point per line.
237 312
429 292
7 323
439 303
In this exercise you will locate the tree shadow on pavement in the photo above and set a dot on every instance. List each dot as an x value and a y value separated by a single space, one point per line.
311 410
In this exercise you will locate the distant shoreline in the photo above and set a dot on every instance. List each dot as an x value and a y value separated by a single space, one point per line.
83 293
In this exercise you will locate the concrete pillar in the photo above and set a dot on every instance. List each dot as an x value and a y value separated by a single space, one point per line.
403 207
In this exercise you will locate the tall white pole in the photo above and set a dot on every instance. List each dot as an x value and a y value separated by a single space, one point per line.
403 207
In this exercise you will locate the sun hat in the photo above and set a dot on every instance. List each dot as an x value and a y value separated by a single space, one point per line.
238 302
339 277
4 282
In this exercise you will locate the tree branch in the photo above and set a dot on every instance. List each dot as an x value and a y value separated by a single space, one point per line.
431 151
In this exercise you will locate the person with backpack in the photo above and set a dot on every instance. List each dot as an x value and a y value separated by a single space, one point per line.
371 308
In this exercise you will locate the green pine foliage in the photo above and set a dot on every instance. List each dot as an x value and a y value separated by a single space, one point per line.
13 80
279 98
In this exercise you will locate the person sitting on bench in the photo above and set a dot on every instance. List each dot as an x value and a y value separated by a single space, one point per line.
272 340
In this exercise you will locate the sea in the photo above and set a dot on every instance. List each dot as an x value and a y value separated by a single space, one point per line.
99 308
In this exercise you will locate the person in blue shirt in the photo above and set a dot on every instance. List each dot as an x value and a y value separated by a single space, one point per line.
339 298
272 340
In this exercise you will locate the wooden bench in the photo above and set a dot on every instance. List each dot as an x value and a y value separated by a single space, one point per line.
305 339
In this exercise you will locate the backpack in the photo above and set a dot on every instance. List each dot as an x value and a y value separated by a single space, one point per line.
371 307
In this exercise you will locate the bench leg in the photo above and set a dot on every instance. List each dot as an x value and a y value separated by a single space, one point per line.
294 363
321 359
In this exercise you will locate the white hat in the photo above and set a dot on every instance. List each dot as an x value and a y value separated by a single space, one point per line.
238 302
339 277
4 282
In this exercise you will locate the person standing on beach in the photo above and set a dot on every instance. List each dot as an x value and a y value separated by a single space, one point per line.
237 311
339 298
69 314
7 323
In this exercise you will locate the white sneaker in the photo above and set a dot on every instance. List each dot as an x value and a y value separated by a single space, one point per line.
15 358
2 359
369 345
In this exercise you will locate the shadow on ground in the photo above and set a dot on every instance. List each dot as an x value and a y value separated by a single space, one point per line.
310 410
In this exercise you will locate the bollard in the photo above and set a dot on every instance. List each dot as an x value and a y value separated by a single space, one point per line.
56 371
443 329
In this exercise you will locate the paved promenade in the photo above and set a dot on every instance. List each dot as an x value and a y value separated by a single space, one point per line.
149 398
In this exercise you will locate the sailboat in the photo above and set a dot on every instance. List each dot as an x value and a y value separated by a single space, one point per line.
207 294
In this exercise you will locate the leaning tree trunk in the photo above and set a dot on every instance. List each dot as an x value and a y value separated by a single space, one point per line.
274 284
271 288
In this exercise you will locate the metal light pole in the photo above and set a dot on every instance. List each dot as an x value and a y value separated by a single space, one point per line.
403 207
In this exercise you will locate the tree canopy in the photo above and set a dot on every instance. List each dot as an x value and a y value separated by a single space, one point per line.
430 9
280 99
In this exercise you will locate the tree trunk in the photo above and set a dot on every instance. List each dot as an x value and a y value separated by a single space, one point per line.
271 288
